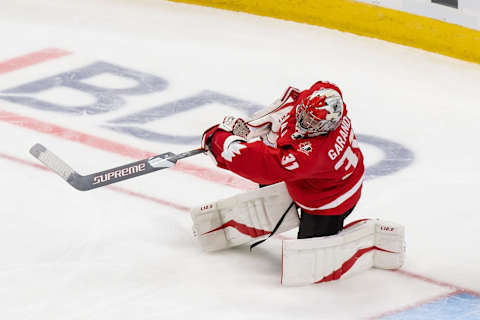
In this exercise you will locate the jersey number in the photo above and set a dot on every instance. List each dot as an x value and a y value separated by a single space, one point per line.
291 161
349 158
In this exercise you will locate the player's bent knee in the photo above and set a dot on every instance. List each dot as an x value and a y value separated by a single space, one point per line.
361 246
243 218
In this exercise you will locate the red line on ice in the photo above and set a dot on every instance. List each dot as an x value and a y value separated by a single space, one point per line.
415 305
114 188
150 198
31 59
436 282
455 290
121 149
24 162
96 142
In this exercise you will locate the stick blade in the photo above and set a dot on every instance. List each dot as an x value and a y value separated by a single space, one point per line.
51 161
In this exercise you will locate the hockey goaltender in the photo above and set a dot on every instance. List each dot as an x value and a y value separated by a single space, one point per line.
303 152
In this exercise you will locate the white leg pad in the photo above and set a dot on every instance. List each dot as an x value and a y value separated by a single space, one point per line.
243 218
366 244
390 244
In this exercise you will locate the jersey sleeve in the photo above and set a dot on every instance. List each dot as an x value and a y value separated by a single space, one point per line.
256 161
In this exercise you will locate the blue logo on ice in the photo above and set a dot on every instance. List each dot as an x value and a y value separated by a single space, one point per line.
459 306
139 124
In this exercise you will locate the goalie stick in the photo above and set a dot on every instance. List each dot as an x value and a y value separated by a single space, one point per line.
138 168
106 177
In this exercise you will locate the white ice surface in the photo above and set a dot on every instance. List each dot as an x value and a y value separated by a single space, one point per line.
107 255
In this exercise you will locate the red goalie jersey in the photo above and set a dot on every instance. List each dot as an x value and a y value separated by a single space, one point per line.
323 173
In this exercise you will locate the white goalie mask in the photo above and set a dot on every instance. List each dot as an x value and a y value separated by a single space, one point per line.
319 113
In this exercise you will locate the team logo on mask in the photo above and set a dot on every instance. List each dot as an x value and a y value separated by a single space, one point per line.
305 147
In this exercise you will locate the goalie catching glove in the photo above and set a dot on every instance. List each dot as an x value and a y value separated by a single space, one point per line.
264 124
